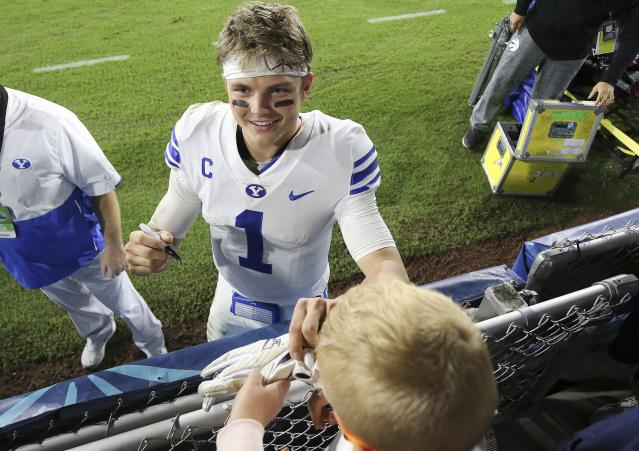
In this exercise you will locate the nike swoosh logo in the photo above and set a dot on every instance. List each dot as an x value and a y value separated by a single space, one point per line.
294 197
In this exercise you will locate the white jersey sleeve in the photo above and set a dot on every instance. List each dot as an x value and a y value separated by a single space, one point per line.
366 175
362 226
190 123
181 205
178 209
360 222
82 161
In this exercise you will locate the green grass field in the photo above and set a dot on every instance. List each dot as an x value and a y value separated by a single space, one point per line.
407 81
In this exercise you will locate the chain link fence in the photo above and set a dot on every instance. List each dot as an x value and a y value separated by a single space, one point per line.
523 356
292 428
571 265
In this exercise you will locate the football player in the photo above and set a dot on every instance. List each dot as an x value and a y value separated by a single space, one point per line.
269 180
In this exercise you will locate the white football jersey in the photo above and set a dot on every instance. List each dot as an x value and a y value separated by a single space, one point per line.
271 232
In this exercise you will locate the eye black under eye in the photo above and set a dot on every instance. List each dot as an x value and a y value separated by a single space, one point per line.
240 103
282 103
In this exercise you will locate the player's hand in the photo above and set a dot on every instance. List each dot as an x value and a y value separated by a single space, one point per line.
308 316
257 401
145 254
516 21
605 93
112 260
320 410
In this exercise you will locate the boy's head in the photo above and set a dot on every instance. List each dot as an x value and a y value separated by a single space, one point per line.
405 368
265 32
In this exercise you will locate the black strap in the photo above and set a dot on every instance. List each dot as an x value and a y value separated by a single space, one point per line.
4 99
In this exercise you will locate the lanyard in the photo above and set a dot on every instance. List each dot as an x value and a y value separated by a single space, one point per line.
4 99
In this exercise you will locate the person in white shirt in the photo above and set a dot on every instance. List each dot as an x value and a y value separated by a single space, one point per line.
269 180
60 223
403 367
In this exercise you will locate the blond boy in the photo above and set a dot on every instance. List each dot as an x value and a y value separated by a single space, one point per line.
404 369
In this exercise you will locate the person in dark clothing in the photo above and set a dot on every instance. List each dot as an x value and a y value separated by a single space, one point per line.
559 34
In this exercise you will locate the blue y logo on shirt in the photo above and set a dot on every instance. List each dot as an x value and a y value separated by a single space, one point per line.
21 163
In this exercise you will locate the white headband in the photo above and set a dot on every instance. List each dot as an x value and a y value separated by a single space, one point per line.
232 69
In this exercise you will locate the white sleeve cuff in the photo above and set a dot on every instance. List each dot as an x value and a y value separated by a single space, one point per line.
241 435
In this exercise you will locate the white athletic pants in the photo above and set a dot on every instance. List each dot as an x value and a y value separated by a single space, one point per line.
90 299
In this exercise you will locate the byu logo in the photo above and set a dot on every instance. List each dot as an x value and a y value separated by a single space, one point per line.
256 191
21 163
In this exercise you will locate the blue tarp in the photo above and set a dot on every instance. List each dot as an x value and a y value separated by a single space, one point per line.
517 101
135 380
531 248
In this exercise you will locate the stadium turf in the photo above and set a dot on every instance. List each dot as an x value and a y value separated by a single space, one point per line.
407 81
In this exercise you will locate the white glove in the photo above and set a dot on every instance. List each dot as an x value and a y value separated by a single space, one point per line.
270 356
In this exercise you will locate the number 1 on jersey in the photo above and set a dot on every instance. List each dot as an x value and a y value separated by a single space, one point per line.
251 222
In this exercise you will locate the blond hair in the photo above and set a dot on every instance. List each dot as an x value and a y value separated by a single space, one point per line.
256 31
405 368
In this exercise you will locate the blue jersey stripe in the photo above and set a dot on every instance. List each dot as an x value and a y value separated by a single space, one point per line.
365 157
170 163
368 180
366 187
169 158
174 138
55 245
173 153
358 177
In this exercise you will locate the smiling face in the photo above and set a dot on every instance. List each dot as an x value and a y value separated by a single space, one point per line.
267 110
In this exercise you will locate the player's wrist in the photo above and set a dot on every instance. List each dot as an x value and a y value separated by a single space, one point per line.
115 246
